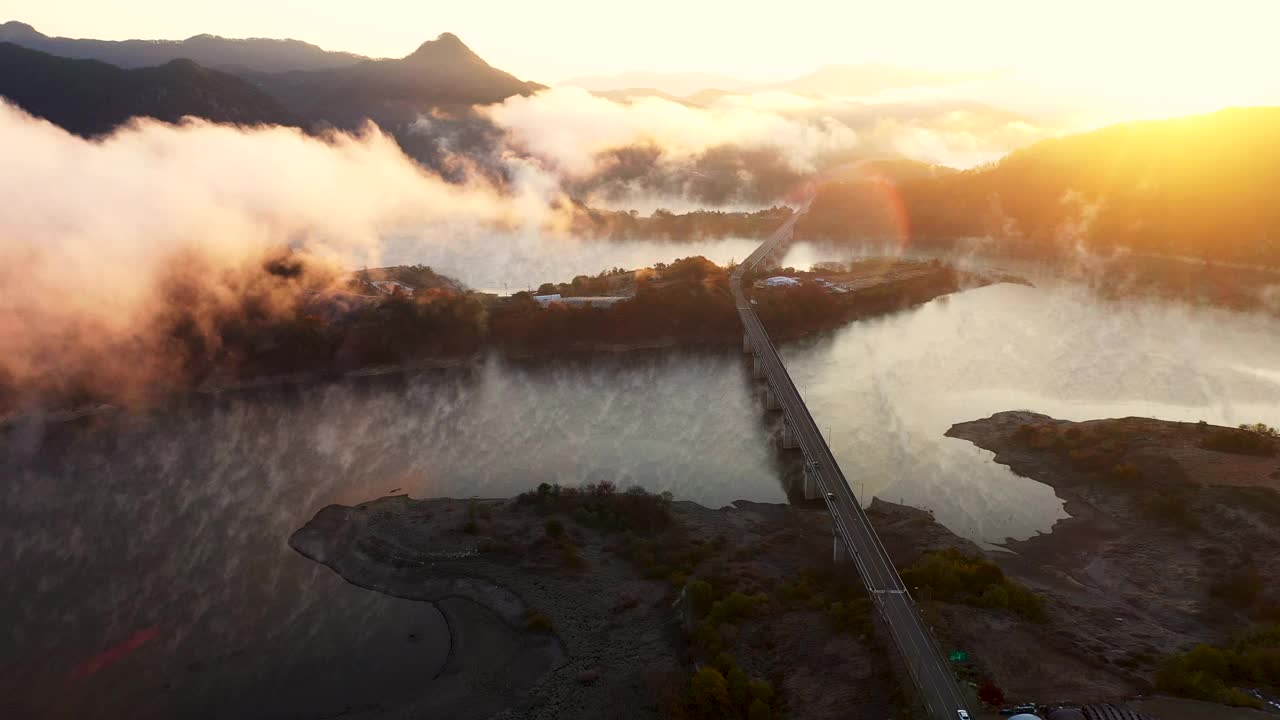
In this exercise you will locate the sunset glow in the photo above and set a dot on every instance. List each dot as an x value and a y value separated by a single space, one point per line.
1098 60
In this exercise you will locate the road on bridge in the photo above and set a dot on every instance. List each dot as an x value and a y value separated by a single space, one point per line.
928 668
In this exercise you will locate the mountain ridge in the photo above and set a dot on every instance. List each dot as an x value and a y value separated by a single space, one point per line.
259 54
91 97
1196 186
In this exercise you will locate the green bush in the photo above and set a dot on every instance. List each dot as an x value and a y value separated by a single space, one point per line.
600 505
722 690
554 528
951 576
1244 440
709 694
701 595
1214 674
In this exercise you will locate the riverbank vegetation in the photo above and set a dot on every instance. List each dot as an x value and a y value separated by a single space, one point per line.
952 576
1256 439
298 321
1223 674
664 224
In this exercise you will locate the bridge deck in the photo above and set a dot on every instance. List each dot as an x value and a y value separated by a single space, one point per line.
929 670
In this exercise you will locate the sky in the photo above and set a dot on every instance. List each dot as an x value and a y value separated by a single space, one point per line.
1155 58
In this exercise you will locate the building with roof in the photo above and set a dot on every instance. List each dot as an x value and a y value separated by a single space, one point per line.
778 281
583 301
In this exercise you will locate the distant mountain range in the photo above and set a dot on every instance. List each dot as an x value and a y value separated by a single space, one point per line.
89 97
441 73
92 86
254 54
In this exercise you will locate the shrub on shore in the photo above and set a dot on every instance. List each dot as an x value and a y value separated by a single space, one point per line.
1256 439
722 690
600 505
1215 674
952 576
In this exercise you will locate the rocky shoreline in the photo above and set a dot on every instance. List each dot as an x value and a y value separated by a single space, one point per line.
1160 528
601 632
581 620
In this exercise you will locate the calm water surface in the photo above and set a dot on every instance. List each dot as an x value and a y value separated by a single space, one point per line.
146 556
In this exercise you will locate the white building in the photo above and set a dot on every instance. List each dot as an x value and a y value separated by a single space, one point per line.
782 281
594 301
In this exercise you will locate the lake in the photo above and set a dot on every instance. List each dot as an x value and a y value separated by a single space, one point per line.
146 553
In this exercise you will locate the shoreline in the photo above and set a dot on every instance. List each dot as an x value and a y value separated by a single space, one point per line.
1158 521
216 389
618 626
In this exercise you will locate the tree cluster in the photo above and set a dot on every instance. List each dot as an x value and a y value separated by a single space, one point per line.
1217 674
1200 186
952 576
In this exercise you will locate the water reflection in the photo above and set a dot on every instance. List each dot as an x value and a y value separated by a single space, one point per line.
173 524
889 388
171 527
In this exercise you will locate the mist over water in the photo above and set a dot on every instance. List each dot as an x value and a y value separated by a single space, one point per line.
172 526
888 389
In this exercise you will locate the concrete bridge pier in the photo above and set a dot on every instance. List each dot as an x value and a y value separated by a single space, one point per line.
747 347
757 367
839 553
789 440
810 489
771 403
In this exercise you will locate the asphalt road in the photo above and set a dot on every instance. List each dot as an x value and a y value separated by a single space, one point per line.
929 668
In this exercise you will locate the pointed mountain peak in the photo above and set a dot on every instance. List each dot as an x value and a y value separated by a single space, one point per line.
445 48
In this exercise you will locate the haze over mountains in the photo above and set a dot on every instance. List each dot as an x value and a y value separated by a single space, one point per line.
515 163
316 85
257 54
739 145
460 117
256 82
1200 186
850 80
88 97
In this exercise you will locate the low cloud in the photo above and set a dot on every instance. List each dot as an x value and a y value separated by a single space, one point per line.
955 138
111 249
620 154
743 150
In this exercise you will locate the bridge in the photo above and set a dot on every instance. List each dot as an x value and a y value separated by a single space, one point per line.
854 536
